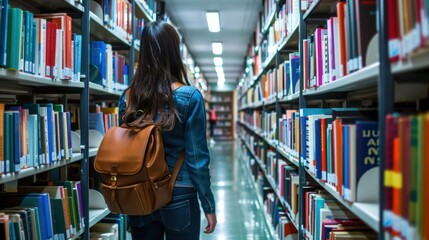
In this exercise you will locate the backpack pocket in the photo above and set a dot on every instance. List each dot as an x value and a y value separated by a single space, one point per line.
137 199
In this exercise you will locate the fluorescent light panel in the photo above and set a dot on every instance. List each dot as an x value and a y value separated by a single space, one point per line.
217 48
219 69
218 61
213 21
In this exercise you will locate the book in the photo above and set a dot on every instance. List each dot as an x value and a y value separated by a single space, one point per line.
366 22
4 18
13 48
368 160
40 200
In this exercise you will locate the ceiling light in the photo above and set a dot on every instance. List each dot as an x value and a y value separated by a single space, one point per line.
217 48
219 69
213 21
221 75
197 69
197 74
218 61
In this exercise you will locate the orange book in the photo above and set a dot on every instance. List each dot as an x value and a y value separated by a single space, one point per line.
337 127
343 44
397 188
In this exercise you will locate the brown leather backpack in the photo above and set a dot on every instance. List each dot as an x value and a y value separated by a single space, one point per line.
135 179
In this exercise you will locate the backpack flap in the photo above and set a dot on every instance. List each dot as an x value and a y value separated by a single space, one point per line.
122 150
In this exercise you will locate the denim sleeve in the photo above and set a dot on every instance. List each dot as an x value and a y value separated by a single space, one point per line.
122 106
197 153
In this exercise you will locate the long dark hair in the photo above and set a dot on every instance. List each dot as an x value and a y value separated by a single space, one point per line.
160 64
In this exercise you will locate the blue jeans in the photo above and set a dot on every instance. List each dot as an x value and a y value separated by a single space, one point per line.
180 219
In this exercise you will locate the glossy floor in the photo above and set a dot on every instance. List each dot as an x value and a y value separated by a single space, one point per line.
240 215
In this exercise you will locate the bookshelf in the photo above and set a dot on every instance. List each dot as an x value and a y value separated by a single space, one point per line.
21 87
222 103
273 120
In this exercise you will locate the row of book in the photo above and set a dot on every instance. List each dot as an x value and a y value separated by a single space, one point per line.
39 44
406 214
277 215
42 212
343 47
103 118
108 68
338 146
117 15
286 20
408 24
324 216
32 135
112 227
283 226
150 6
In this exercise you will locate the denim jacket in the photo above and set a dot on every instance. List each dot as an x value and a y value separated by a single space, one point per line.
189 134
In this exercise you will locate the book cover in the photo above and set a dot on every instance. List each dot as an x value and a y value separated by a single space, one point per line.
342 36
4 18
368 160
40 200
13 42
2 138
366 27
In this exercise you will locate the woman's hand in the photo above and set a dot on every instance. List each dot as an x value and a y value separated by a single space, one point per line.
211 222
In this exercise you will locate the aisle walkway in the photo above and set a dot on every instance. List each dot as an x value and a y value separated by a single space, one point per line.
240 217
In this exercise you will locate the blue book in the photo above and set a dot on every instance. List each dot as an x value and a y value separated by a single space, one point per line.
346 162
320 203
303 139
318 148
3 31
287 73
96 122
39 200
294 73
33 45
98 58
69 138
8 143
15 140
314 111
367 160
33 138
106 11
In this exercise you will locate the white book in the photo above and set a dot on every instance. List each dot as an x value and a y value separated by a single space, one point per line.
109 66
58 69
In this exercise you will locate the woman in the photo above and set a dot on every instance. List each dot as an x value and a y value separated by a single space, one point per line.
180 113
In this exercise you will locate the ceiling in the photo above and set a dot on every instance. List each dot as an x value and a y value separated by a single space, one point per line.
237 23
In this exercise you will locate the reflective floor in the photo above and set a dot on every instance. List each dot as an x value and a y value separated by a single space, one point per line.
239 214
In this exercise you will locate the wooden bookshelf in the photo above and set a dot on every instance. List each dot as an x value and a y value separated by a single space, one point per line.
223 104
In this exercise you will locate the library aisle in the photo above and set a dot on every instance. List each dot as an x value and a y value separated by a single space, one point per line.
238 210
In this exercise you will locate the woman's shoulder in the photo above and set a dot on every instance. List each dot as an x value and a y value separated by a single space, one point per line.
188 91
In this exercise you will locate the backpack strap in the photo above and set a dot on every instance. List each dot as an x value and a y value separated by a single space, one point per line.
176 169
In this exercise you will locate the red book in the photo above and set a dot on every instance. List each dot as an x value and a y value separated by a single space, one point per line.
391 133
323 142
393 31
343 44
337 128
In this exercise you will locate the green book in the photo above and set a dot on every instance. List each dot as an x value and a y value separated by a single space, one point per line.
58 218
14 38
